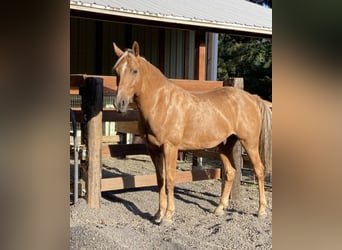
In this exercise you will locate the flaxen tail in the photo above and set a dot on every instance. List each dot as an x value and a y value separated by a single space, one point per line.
265 139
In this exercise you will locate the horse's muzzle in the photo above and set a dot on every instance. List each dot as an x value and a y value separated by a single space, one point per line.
121 104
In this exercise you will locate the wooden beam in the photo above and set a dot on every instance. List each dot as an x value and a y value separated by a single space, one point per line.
110 84
196 85
130 181
78 80
92 102
208 154
94 160
124 182
200 52
111 115
121 150
131 127
110 139
201 62
198 175
236 82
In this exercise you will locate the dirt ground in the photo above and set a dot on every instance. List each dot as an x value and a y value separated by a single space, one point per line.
125 218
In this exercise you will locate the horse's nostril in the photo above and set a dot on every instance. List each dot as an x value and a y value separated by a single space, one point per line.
123 103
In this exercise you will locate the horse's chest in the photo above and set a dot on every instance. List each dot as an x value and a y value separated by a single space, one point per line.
151 135
152 139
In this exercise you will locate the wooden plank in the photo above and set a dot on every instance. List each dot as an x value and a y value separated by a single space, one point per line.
74 91
127 127
125 182
110 139
111 115
130 181
198 175
110 84
236 82
197 86
78 80
208 154
121 150
105 150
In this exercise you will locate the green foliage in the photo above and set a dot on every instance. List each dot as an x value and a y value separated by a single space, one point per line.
249 58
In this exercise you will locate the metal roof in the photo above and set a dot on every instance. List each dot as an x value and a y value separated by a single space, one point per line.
236 15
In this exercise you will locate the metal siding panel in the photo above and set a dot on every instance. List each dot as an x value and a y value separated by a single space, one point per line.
86 47
231 14
112 32
144 36
167 53
191 69
90 51
74 48
180 55
155 47
173 54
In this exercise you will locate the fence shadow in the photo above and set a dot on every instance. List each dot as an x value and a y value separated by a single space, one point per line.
180 194
112 196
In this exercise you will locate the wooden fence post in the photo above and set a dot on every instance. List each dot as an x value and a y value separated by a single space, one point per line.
92 103
237 150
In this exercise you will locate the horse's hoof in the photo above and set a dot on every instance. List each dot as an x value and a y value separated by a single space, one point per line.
219 212
262 214
165 222
158 218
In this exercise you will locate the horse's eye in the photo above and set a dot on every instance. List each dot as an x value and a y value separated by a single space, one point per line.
134 71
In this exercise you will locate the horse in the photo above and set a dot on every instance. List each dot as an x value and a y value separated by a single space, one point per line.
174 119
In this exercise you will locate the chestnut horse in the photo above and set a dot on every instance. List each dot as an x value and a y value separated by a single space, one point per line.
174 119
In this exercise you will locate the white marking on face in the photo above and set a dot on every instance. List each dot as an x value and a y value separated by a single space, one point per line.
123 69
120 59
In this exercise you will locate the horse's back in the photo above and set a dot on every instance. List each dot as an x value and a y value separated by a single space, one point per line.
229 98
212 116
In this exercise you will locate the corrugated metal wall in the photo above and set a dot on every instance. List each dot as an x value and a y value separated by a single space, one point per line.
82 46
91 50
148 39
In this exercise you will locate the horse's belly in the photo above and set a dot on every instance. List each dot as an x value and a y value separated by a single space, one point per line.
202 141
206 132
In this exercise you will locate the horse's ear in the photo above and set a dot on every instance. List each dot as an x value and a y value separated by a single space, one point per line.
135 48
117 50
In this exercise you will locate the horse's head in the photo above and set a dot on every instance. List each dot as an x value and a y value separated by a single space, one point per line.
127 69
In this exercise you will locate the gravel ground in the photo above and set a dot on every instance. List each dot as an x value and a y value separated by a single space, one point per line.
124 220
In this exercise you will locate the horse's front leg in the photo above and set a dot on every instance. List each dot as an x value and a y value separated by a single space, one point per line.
158 161
170 163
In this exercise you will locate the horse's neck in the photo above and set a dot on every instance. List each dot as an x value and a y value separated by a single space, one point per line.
152 85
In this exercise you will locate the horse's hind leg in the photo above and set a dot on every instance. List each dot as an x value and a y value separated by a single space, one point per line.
251 147
226 155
